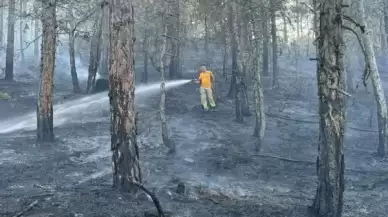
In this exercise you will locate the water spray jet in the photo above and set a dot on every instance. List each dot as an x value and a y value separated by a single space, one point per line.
72 110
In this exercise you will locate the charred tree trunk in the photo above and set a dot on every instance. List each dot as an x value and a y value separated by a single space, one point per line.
95 54
9 59
382 113
125 157
274 45
258 90
73 69
331 82
45 131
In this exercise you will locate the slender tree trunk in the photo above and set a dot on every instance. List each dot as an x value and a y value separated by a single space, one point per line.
225 59
386 20
238 93
265 49
331 81
207 55
45 131
36 43
174 33
125 157
9 59
22 9
95 54
258 90
144 77
274 45
232 88
382 113
103 64
161 44
73 69
285 30
1 25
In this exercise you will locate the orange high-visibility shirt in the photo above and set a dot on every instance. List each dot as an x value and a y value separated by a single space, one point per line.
206 79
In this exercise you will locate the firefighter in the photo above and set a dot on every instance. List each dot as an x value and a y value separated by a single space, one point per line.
206 81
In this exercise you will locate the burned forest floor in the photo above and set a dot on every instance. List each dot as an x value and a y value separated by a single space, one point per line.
215 171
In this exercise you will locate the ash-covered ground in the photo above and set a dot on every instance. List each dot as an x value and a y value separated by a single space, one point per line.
215 161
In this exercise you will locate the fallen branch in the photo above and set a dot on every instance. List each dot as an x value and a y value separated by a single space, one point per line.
286 159
28 208
149 193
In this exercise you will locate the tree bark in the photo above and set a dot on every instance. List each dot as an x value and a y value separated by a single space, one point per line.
9 59
331 81
45 131
382 113
95 54
125 157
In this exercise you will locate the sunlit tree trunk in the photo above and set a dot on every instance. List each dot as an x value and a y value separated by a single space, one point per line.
125 156
45 130
9 59
331 83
